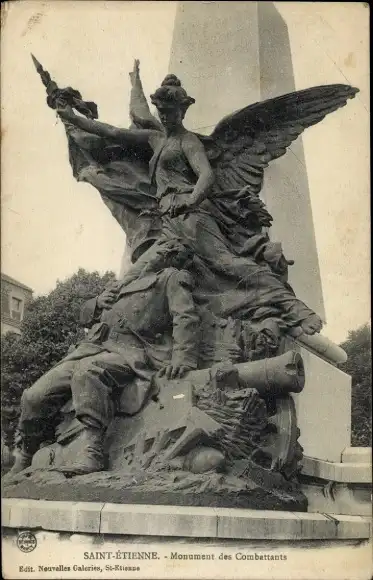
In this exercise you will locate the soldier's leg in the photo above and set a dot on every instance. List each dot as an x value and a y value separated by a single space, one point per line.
93 383
40 404
268 295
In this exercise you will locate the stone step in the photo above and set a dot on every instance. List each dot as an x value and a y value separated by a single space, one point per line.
196 522
357 455
346 472
339 498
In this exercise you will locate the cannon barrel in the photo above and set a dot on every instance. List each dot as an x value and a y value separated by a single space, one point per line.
276 376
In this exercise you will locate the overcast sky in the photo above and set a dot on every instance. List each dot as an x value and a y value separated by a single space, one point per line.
52 225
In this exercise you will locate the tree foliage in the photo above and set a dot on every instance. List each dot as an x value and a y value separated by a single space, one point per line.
50 326
359 366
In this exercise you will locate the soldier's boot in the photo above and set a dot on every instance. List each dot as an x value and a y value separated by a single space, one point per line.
26 445
91 457
22 460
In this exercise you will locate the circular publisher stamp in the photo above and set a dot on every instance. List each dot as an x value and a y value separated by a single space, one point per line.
26 541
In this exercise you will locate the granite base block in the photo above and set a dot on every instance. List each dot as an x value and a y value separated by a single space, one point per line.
172 521
152 519
339 498
52 515
350 472
253 525
357 455
339 487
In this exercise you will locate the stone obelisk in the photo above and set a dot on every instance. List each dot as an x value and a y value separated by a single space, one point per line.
231 54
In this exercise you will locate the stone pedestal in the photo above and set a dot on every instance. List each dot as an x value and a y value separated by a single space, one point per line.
324 409
336 478
324 405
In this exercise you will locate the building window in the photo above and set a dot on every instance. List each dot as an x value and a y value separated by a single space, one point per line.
16 308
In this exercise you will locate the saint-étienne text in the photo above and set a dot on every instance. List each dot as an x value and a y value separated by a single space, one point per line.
119 555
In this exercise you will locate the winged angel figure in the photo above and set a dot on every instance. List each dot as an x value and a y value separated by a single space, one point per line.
162 181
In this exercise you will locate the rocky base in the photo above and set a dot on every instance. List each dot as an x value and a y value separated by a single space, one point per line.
262 491
204 441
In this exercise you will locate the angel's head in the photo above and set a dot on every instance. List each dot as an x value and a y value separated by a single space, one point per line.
172 101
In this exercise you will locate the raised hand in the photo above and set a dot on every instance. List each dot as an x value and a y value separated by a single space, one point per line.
135 74
179 208
65 111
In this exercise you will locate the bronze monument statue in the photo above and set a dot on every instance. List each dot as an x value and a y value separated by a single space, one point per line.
187 370
121 346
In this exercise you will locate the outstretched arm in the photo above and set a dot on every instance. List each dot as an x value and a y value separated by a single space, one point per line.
122 136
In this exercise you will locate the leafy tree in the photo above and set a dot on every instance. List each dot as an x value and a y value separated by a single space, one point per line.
359 366
50 326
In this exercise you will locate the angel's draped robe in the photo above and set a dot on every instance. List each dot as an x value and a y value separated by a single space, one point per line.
232 277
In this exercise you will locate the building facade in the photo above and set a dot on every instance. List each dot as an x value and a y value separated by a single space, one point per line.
14 299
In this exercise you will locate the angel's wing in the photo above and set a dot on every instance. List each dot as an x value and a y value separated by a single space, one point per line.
250 138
